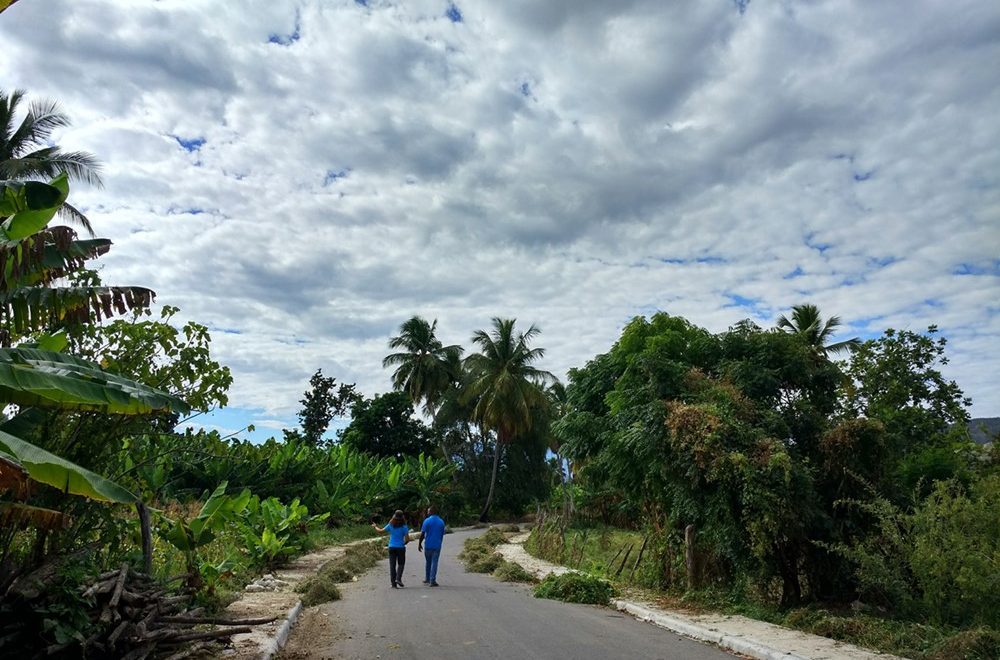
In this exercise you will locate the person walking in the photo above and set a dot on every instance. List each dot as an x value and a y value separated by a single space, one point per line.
398 536
431 538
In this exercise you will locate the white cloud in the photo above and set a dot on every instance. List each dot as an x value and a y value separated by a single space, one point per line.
567 163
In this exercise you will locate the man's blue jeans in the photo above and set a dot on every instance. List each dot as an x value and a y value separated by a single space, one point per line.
431 556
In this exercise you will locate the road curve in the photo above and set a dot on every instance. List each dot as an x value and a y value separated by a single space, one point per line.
475 616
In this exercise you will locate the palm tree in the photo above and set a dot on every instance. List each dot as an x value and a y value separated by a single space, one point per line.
558 407
808 324
505 385
26 152
425 368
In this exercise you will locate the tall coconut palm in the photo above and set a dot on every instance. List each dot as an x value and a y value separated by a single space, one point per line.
807 323
506 386
26 152
425 368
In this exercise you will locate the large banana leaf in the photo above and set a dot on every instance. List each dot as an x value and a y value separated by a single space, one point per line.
33 377
30 206
47 468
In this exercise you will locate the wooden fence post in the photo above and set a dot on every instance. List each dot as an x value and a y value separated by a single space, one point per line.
689 557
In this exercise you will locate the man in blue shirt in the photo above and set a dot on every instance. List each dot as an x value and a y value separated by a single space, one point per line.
432 535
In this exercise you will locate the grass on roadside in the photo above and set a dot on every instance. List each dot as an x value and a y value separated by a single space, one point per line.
509 571
479 552
601 551
322 587
575 588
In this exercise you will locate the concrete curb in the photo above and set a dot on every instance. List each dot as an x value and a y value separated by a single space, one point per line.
743 645
277 642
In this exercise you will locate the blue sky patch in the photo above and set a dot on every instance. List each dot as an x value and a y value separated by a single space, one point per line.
525 89
989 268
819 247
189 144
453 14
863 176
332 176
798 272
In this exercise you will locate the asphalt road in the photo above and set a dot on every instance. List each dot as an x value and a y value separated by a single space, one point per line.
477 616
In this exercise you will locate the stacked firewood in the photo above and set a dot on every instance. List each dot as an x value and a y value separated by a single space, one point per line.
138 618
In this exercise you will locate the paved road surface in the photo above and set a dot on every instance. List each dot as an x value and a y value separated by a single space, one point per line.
475 616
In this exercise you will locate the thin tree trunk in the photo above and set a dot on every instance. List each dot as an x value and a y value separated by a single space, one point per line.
147 538
493 483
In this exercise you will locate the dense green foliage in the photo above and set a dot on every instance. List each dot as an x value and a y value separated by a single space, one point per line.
385 426
803 479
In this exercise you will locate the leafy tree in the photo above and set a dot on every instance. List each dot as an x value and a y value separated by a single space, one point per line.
321 403
808 324
27 152
425 368
385 426
506 386
896 380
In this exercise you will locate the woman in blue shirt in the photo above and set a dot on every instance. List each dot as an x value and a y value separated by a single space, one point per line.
398 536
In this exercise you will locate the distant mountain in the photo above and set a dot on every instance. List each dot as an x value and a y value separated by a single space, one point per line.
984 429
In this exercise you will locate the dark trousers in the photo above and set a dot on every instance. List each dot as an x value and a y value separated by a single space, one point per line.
397 559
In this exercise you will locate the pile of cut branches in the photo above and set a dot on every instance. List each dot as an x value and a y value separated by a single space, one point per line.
133 617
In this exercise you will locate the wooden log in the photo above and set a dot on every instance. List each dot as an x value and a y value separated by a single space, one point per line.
212 634
217 622
613 559
624 559
639 558
119 586
117 632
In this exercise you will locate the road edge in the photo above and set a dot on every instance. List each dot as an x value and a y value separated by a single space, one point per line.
276 643
743 645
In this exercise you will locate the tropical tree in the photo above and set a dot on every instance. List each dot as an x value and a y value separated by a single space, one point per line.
32 377
808 324
321 403
27 152
425 368
506 385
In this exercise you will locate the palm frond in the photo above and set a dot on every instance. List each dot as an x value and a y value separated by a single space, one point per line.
73 215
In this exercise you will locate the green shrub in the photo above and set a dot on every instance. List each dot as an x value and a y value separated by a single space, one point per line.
509 571
955 553
575 588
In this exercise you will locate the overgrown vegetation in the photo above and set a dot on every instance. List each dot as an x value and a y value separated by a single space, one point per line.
479 552
575 588
751 464
357 559
509 571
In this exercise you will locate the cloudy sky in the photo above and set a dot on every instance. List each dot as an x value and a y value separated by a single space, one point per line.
303 176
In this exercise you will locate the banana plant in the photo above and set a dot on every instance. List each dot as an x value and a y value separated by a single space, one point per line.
188 536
